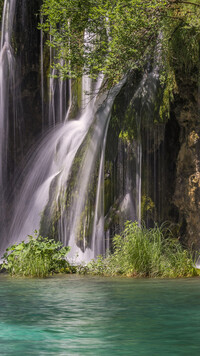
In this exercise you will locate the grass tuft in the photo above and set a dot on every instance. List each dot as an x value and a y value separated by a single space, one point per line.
139 251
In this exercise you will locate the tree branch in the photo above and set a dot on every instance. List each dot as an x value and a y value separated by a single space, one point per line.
184 2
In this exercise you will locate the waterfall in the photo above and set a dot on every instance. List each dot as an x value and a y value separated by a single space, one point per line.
57 92
46 173
139 181
48 178
7 83
57 98
42 70
59 186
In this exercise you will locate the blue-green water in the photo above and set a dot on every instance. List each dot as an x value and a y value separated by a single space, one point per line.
74 315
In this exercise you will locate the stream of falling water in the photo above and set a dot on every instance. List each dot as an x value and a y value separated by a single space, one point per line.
57 92
48 169
7 80
63 176
51 161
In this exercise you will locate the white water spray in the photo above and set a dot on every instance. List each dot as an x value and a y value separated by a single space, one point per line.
47 178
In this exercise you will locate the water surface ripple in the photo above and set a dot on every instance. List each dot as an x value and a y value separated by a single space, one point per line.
75 315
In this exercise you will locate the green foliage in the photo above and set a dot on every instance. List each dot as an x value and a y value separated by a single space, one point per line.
121 34
180 48
170 88
139 251
39 257
147 206
1 8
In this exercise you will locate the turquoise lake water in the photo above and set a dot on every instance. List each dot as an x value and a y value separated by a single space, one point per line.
75 315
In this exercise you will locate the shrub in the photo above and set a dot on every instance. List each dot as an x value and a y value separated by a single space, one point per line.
139 251
39 257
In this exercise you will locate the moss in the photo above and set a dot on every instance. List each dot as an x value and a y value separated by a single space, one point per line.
108 186
147 206
51 214
76 98
185 48
170 88
1 8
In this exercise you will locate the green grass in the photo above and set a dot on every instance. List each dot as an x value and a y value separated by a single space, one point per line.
139 251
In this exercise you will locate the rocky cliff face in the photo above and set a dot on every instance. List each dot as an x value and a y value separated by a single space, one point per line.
171 184
170 174
187 183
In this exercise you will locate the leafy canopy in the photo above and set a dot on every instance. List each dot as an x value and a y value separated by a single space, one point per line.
120 35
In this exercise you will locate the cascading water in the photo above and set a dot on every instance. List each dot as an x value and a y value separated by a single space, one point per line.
53 163
42 71
60 186
7 83
56 89
36 197
57 93
8 101
52 160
